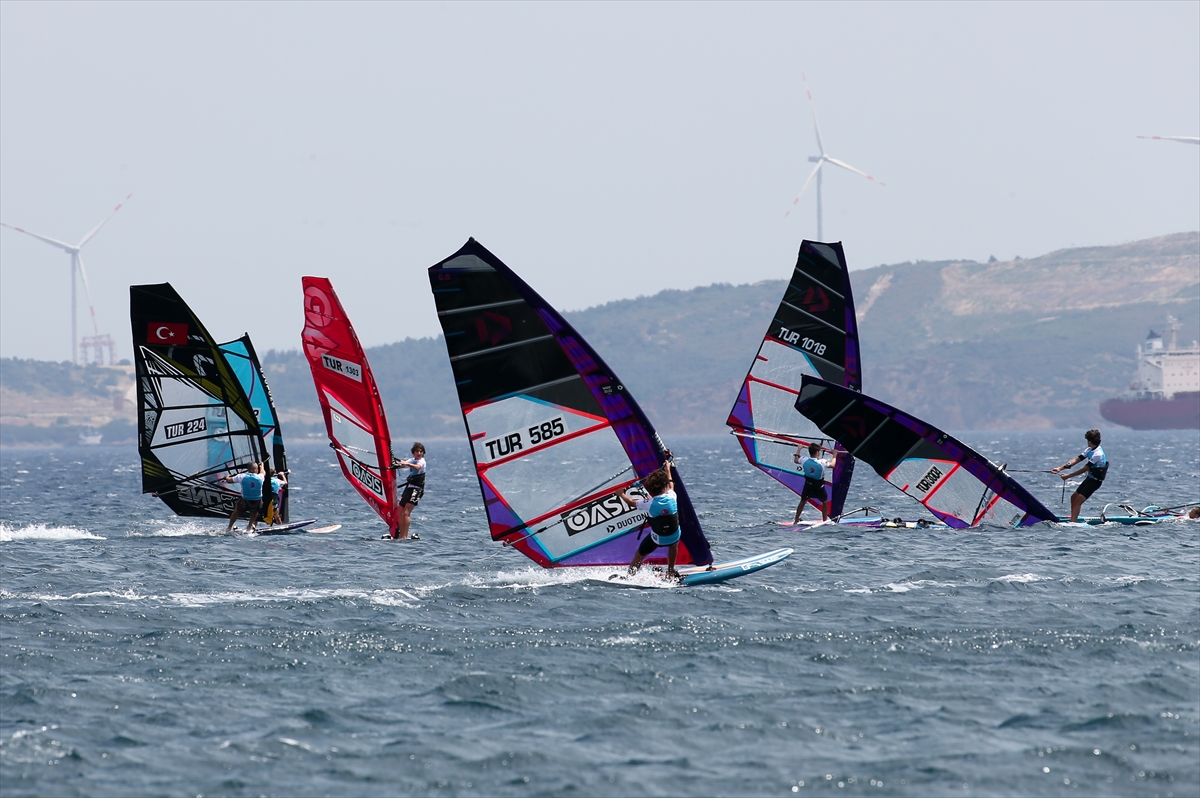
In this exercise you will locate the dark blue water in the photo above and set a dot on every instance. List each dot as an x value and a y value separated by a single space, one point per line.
143 654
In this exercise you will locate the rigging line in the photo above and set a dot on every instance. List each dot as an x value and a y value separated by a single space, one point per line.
341 450
987 488
1177 506
188 478
1029 471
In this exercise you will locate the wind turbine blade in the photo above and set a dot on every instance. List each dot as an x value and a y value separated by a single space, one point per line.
845 165
1184 139
804 188
87 290
106 218
813 108
51 241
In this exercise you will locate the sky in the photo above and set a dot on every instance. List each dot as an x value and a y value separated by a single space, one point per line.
602 150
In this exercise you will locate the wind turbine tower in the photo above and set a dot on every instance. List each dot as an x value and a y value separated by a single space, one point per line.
820 161
77 266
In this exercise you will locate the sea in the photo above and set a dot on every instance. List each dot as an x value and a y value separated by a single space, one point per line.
146 654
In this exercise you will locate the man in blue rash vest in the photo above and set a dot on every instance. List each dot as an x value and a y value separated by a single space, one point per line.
814 479
1096 468
252 490
662 513
414 489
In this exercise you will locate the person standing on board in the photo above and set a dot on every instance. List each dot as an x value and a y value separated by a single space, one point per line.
662 512
814 479
252 489
414 489
272 505
1096 468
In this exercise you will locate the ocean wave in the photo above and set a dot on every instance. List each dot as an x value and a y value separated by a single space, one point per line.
1022 579
902 586
44 532
388 597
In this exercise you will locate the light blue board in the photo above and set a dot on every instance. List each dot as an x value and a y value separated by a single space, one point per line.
719 572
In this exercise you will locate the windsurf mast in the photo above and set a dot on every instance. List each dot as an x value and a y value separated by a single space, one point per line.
814 332
554 433
952 480
349 398
244 361
195 423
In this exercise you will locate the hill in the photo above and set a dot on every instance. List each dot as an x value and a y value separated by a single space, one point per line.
1031 344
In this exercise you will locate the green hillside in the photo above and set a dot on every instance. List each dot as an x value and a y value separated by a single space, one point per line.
1034 343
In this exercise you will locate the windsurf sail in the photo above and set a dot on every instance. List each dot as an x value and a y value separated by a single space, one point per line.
554 433
349 398
195 423
242 358
814 333
953 481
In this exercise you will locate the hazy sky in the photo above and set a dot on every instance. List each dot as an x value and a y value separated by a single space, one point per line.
603 151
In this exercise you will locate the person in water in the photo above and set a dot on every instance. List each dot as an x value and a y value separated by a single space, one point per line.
662 512
414 489
814 479
251 499
1096 466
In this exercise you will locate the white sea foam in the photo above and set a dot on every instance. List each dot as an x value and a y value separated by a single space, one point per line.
390 597
1022 578
43 532
182 528
901 587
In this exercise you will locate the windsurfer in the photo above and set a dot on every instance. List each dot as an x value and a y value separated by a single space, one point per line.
274 502
414 488
814 479
1096 466
662 511
251 499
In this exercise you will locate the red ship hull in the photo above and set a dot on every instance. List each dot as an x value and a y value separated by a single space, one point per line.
1182 411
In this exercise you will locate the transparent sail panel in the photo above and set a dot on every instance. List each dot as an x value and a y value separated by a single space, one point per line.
350 434
552 478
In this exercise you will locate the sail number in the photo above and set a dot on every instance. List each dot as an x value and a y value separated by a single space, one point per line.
517 441
185 428
806 343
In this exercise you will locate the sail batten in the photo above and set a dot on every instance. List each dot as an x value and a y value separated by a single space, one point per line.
813 332
554 433
954 482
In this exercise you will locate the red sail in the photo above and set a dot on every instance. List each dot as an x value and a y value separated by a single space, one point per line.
350 403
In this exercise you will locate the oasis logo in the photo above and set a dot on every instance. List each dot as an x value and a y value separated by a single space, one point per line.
210 498
597 512
343 367
373 483
930 479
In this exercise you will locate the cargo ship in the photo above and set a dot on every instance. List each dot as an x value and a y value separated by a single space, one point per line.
1166 393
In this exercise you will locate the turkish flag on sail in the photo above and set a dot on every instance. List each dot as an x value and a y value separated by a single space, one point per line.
167 333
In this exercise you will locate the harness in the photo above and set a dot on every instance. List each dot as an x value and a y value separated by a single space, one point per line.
416 480
664 525
1097 472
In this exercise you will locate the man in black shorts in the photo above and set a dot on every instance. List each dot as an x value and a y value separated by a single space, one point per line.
814 479
1096 468
414 488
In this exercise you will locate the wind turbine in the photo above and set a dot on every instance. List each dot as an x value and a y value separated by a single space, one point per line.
76 266
820 161
1183 139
